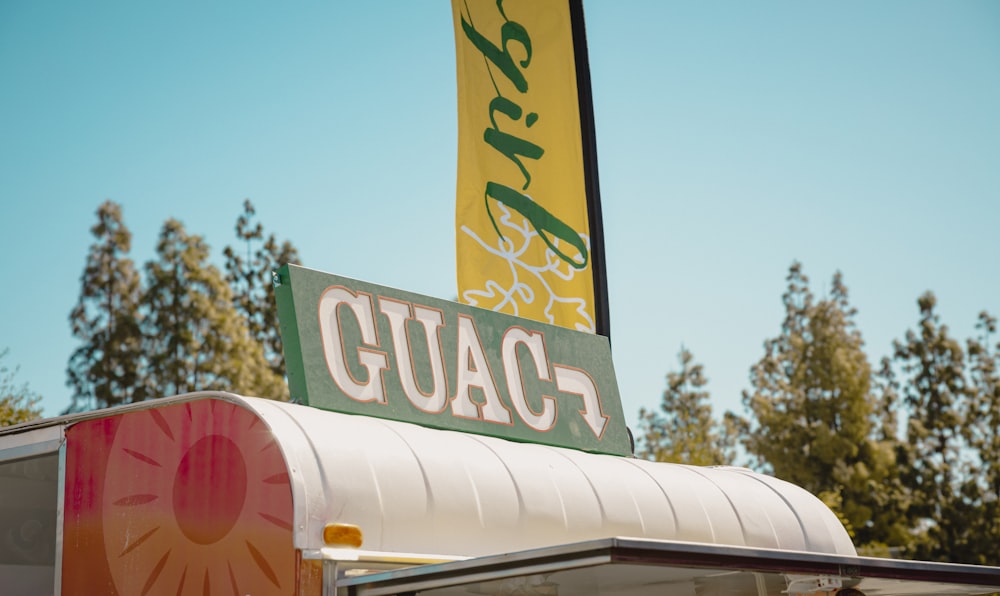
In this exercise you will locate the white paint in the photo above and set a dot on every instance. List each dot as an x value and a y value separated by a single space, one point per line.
432 320
574 380
535 343
373 361
418 490
474 371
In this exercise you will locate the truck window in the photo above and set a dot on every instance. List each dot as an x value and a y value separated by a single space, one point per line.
28 502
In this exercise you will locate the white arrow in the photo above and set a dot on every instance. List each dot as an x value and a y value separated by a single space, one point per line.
574 380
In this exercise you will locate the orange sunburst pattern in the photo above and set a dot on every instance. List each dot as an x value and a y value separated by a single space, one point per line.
196 500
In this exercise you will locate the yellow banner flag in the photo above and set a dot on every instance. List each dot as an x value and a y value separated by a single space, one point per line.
525 244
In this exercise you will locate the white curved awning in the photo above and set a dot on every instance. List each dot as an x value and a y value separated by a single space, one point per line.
417 490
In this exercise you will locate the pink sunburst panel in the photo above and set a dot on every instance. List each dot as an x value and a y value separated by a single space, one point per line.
191 498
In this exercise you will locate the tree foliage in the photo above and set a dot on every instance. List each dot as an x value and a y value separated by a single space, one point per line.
197 340
814 418
104 369
249 273
18 403
933 362
180 329
949 458
983 436
684 430
906 454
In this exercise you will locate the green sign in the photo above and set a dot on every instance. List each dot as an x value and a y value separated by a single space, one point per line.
359 348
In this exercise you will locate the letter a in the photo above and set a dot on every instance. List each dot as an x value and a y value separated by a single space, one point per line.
474 371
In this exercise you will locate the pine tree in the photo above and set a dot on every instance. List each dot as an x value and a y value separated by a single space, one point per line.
18 403
197 339
104 370
892 499
250 278
935 392
684 431
982 433
814 414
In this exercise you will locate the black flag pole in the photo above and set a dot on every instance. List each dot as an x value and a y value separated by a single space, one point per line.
588 136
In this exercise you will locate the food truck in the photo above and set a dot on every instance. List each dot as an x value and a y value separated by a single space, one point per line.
434 449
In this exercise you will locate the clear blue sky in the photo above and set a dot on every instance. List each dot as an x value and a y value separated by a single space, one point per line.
733 138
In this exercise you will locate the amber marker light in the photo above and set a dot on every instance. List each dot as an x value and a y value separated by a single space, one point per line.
345 535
